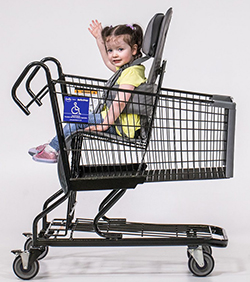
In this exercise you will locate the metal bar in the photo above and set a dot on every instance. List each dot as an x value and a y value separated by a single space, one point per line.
116 196
42 215
230 143
46 203
132 242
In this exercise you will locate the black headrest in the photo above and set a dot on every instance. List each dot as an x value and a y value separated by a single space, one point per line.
158 50
151 35
154 41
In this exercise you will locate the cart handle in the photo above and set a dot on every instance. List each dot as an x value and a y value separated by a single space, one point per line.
33 74
25 108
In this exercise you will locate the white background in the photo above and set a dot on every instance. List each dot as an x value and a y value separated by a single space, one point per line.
208 51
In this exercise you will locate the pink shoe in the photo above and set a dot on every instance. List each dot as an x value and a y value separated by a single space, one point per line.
46 155
35 150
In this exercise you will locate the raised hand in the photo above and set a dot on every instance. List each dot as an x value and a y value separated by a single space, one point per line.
95 28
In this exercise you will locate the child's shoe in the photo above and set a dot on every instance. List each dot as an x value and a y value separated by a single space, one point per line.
35 150
47 155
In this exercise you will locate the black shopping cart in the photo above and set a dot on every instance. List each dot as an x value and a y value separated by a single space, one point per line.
182 136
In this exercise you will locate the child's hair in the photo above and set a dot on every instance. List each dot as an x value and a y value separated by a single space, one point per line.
133 34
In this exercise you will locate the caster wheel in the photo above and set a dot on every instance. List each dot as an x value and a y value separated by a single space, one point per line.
25 274
28 245
204 270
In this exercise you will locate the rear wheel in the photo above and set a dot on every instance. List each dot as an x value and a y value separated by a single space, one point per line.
204 270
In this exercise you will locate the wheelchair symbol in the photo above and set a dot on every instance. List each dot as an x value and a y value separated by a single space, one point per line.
75 110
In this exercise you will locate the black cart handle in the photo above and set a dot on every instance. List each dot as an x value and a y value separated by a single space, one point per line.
25 108
33 74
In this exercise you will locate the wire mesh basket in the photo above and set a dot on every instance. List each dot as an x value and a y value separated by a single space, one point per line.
188 136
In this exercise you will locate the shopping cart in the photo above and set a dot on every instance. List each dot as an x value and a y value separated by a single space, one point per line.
183 136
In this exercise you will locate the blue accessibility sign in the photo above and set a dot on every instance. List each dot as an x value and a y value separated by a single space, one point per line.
76 109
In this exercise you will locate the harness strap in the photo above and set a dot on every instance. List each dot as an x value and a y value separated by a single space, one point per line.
112 80
109 83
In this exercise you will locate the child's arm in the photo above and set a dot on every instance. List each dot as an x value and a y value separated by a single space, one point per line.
117 106
95 28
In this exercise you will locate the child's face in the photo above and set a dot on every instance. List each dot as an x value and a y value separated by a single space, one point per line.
119 52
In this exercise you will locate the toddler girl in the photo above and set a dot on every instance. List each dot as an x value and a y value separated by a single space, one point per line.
119 46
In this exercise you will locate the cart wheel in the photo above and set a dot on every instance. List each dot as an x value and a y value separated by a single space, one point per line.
204 270
206 249
28 245
22 273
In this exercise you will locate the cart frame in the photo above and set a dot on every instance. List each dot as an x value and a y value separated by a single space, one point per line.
76 176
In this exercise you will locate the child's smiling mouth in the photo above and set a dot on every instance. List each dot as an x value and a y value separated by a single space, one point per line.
116 61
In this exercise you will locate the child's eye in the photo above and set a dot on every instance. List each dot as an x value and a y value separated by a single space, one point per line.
120 49
109 50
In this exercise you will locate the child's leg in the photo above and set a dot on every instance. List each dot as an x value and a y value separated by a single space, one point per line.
70 128
49 153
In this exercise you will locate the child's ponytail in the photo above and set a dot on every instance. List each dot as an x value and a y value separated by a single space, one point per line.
138 37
